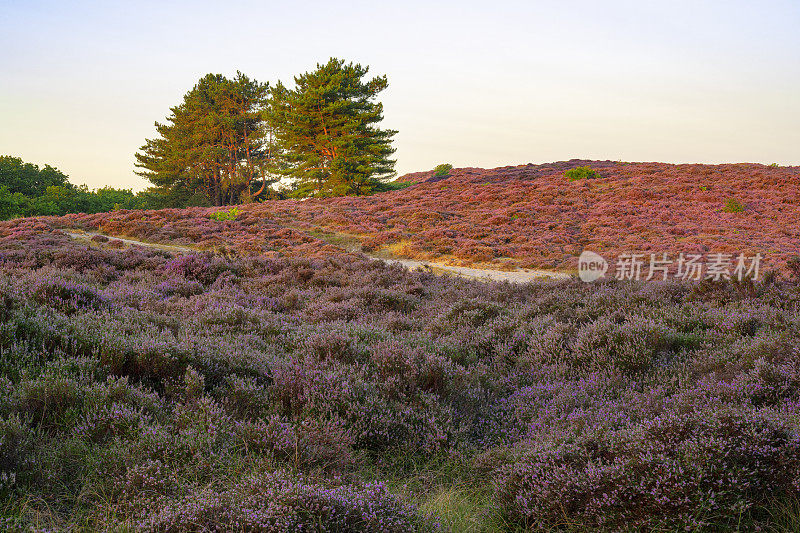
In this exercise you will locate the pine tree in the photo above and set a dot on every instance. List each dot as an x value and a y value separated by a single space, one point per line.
326 134
213 144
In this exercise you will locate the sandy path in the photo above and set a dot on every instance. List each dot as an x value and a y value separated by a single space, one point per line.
482 274
520 275
87 236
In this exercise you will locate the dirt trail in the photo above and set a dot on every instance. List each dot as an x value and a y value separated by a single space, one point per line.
351 244
482 274
87 236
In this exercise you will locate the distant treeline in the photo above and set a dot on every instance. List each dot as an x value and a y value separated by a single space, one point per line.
28 190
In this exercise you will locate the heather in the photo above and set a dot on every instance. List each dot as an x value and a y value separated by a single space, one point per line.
296 388
530 216
533 216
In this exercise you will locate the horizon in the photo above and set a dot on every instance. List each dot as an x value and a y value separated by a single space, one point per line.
681 83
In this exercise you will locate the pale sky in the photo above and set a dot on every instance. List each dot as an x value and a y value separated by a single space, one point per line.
472 83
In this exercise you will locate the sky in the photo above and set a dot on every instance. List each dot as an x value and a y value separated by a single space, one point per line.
471 83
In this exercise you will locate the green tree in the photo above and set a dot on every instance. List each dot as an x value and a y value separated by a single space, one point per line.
58 200
28 179
213 144
110 199
12 204
27 190
326 134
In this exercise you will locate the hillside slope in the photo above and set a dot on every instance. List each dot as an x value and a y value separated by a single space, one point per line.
537 218
525 216
145 389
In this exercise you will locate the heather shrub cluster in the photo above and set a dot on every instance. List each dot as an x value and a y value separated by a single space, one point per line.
701 469
524 216
209 391
531 216
280 502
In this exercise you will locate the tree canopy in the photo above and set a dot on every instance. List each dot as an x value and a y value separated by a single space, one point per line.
27 190
28 179
214 143
326 133
229 139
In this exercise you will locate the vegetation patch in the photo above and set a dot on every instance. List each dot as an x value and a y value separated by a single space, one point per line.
144 390
581 173
732 205
220 216
443 170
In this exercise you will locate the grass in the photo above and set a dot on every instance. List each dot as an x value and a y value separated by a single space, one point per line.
448 489
785 515
462 508
395 250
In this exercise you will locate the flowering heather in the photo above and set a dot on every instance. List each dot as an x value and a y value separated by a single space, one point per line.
524 216
299 388
533 216
279 502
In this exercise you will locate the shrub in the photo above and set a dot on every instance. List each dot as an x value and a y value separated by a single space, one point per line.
732 205
53 402
180 287
698 471
117 420
794 267
142 485
385 186
67 296
629 346
308 444
581 173
443 170
138 387
280 503
245 397
219 216
433 220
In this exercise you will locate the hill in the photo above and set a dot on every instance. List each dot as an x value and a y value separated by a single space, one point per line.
280 383
157 389
527 216
532 216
